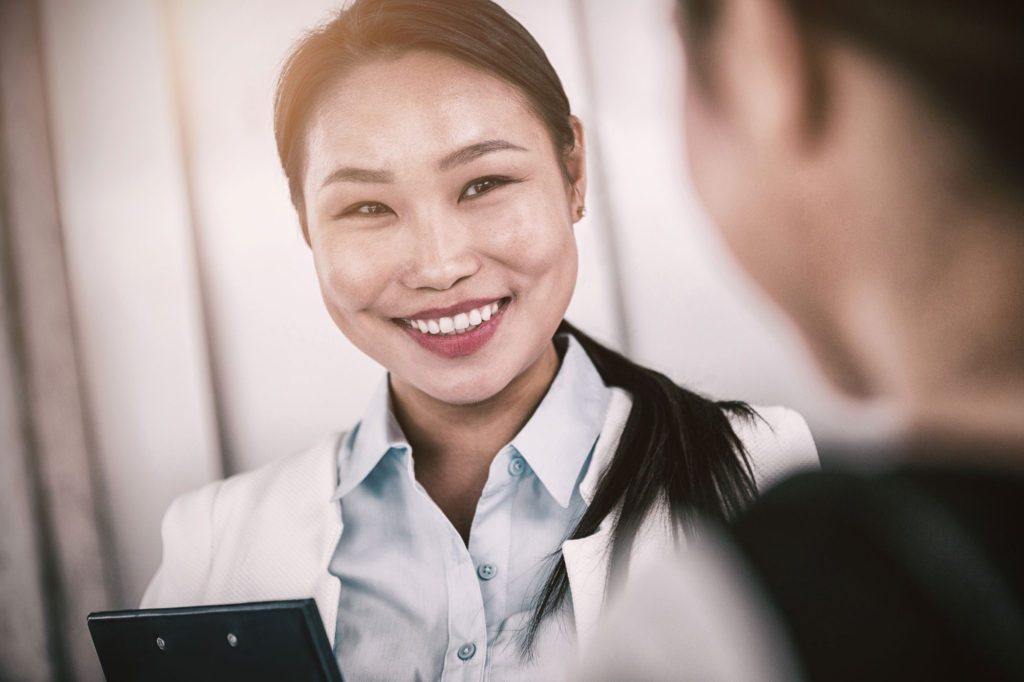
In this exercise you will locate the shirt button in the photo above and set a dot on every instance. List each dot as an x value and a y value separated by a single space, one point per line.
486 571
517 466
466 651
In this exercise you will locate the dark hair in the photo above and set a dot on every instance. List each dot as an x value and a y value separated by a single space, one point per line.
678 449
965 57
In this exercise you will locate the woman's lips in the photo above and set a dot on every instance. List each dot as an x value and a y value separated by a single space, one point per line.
459 334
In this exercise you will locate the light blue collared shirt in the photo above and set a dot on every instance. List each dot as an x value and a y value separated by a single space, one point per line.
416 602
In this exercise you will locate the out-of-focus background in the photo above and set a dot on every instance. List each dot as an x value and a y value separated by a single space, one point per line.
162 325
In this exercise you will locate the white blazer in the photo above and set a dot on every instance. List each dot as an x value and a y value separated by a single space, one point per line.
271 533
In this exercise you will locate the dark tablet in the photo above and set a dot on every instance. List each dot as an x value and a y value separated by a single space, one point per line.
256 642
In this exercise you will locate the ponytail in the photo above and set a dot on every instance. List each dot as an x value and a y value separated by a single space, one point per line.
677 449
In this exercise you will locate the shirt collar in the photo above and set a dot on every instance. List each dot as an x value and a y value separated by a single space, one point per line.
558 439
556 442
374 437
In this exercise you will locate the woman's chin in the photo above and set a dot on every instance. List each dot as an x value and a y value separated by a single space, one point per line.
473 393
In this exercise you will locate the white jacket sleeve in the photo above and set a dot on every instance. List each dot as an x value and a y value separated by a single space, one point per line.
187 533
265 534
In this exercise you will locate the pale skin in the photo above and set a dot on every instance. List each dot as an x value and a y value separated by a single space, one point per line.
854 204
429 183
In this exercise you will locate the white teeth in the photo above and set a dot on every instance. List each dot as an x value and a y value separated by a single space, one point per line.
460 324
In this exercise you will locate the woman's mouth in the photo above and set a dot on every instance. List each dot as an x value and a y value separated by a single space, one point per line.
459 323
456 333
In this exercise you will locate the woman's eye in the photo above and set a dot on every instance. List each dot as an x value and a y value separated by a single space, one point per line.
368 208
484 185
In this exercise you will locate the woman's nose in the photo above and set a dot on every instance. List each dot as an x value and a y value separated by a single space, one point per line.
440 254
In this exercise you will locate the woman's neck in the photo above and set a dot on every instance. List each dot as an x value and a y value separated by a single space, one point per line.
983 429
953 318
454 445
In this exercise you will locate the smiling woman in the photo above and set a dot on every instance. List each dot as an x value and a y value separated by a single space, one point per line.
509 468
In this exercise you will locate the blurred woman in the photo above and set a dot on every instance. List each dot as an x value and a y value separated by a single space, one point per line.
466 526
865 162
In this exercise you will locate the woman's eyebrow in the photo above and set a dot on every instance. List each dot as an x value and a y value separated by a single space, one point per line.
456 158
352 174
475 151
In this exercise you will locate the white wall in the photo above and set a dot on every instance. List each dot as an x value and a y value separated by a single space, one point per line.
198 310
131 265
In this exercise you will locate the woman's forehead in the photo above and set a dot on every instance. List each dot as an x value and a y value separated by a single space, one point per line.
417 106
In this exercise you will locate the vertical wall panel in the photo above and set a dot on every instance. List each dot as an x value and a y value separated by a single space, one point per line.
23 631
130 259
53 462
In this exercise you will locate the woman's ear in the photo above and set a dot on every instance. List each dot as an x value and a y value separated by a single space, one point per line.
767 80
576 166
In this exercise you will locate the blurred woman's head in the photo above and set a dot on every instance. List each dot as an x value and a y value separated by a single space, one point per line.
861 158
437 174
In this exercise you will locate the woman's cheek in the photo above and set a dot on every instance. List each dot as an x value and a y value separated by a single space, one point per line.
529 240
509 240
351 278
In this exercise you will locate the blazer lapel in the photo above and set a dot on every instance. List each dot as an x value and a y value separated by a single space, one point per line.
586 559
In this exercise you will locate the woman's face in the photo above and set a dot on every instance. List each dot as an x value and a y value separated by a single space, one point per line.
441 223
